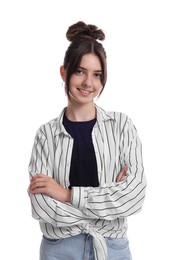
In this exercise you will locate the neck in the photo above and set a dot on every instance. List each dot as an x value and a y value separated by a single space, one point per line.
80 113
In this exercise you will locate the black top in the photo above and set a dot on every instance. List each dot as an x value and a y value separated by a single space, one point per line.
83 170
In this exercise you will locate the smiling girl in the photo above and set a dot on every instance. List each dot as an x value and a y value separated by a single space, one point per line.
86 172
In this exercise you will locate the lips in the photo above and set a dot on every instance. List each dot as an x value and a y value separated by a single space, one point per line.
85 92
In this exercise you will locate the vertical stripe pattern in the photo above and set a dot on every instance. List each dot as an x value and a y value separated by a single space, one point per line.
100 211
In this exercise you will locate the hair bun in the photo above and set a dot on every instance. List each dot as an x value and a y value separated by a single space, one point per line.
82 31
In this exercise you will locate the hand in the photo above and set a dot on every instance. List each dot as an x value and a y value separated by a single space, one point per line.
121 176
41 183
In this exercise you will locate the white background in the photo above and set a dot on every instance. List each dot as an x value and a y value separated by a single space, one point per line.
139 45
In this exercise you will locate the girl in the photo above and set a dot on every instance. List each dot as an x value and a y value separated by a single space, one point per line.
86 166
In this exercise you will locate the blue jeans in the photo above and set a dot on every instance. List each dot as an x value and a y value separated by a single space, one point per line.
80 248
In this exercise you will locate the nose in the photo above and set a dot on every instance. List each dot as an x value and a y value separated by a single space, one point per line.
87 82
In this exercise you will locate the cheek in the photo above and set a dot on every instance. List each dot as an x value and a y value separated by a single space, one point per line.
100 87
75 82
72 81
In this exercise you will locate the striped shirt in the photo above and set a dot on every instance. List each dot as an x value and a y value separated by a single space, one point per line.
99 211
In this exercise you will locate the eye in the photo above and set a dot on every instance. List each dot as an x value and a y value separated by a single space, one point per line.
79 71
98 75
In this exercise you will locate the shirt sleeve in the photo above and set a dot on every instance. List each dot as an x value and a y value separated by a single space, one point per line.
45 208
117 199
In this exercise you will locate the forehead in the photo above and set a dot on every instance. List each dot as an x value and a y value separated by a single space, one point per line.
90 61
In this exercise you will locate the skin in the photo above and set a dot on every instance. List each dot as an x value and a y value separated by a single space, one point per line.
85 85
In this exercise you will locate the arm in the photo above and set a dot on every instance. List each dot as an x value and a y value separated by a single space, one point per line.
45 206
117 199
41 183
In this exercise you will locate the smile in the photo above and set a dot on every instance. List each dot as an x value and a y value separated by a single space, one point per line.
85 92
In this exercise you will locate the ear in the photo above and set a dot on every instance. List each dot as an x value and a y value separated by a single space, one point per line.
63 73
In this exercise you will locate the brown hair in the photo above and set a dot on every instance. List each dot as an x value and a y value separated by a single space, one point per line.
83 40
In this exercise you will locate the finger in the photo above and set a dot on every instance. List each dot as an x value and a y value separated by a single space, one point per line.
38 179
39 175
122 174
38 190
36 185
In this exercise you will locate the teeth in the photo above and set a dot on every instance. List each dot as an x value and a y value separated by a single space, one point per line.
85 91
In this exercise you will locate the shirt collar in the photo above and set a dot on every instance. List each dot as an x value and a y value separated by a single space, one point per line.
102 116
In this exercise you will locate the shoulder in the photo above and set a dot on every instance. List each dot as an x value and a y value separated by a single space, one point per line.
53 125
119 120
106 115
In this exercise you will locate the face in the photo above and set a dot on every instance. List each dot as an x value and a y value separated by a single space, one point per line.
85 83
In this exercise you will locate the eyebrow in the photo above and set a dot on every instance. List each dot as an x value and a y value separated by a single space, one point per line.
86 69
